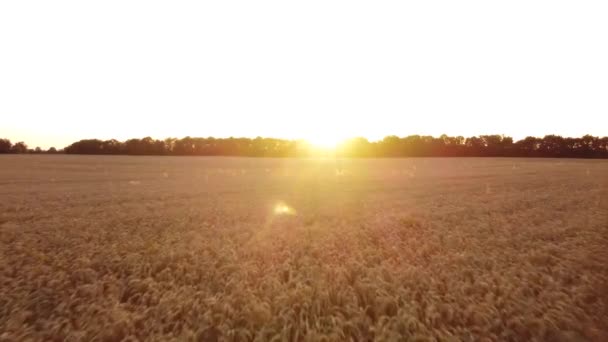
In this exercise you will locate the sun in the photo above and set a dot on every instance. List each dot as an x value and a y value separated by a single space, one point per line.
325 141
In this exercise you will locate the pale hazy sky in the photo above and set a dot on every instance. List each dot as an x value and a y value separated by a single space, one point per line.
307 69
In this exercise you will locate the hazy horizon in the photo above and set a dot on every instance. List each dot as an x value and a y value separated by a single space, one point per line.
321 145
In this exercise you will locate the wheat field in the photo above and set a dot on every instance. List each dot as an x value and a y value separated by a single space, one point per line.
237 249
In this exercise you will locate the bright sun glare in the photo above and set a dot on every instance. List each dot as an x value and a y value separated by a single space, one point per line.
325 141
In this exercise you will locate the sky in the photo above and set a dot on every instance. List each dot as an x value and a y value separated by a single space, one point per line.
319 70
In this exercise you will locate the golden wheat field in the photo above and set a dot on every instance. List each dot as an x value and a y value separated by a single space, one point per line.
237 249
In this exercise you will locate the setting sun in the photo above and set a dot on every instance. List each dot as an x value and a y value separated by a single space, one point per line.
325 141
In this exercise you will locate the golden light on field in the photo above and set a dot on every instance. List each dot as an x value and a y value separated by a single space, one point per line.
283 209
376 255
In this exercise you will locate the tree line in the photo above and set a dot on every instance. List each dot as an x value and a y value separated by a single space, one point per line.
551 146
7 147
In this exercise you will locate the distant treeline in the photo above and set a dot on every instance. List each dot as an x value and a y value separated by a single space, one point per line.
7 147
392 146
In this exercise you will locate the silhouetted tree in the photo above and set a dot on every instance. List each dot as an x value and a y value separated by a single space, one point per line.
19 147
452 146
474 147
88 146
392 146
528 147
5 146
112 146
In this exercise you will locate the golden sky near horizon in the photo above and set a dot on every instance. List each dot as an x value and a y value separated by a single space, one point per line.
319 70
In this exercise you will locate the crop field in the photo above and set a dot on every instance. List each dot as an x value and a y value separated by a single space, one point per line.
241 249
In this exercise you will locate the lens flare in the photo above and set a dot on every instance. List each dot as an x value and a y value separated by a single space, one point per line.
283 209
